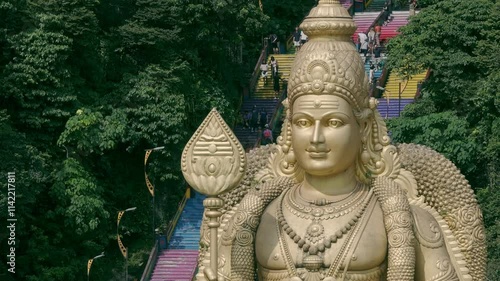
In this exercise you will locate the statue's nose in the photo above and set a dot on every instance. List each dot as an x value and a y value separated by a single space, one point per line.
317 136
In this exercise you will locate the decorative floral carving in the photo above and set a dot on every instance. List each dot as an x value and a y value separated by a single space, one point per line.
244 237
478 233
317 86
452 222
253 221
315 232
400 237
240 217
467 215
402 219
216 158
389 222
447 273
464 238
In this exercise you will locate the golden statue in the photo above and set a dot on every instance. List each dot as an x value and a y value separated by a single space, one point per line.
334 200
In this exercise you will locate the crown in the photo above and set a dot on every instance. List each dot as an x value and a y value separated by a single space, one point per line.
328 64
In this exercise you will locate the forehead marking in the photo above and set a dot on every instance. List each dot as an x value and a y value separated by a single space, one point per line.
319 103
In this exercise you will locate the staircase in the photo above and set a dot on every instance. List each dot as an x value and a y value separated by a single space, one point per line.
246 137
179 261
408 92
346 4
390 108
263 98
265 90
399 19
363 21
376 73
375 6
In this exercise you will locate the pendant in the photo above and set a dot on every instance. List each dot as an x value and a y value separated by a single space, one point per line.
314 232
312 262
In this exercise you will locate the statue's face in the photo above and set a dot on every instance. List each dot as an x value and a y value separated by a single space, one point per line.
326 137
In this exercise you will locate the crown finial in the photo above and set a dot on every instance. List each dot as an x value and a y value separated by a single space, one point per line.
328 64
328 18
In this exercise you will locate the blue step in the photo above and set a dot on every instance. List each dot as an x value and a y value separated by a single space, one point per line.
392 109
187 231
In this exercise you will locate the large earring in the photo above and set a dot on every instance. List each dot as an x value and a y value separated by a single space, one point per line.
365 155
289 160
284 162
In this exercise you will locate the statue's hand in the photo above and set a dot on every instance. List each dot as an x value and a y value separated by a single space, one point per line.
210 274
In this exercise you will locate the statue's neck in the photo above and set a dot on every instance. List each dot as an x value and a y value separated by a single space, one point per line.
329 187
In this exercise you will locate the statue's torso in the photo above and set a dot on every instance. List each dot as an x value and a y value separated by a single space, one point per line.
367 257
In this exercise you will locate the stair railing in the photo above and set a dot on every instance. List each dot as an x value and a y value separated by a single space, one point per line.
256 71
289 43
375 22
276 112
279 106
153 255
350 9
173 223
151 262
381 82
419 86
368 3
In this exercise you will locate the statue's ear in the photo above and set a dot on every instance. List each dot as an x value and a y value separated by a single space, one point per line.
364 128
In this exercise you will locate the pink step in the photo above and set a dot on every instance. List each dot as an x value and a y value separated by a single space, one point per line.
175 265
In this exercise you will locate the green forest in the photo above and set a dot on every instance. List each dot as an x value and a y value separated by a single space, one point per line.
87 86
458 112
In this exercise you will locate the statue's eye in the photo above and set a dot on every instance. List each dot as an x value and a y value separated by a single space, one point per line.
335 123
303 123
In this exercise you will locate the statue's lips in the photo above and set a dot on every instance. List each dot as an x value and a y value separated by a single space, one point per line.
317 153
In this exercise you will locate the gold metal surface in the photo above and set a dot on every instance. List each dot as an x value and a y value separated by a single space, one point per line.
213 160
425 223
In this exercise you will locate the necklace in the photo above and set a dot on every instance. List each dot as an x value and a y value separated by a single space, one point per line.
294 198
323 201
324 212
317 243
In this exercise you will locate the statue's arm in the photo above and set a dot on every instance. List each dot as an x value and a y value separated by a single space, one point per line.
443 197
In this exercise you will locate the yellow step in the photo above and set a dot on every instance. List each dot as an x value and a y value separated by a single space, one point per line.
409 88
266 91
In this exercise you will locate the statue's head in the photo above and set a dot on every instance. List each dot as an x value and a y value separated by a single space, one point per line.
326 134
332 123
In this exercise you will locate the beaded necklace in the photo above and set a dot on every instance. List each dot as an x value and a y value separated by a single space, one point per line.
317 244
327 212
323 201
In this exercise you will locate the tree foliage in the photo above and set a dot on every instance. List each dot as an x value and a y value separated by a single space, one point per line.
37 80
86 87
286 15
458 114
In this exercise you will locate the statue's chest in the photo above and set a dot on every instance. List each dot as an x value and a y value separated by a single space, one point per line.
276 247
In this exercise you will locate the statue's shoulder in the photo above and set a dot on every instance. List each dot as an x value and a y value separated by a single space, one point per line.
427 230
445 210
434 259
259 171
257 189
